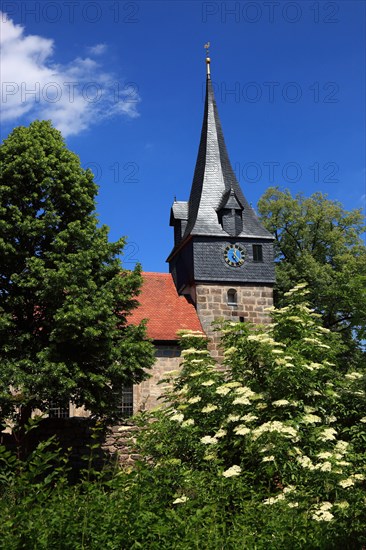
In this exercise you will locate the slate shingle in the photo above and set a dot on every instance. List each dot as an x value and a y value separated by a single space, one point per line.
213 179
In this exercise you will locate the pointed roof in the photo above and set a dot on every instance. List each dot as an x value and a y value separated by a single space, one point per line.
214 181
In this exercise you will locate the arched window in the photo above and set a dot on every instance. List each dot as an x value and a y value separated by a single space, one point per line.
232 297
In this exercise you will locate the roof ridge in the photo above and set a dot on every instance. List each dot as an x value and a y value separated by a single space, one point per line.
154 273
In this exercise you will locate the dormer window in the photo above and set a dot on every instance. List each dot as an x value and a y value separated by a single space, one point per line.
232 297
230 214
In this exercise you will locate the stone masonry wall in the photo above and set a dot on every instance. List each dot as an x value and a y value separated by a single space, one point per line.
146 394
75 436
212 304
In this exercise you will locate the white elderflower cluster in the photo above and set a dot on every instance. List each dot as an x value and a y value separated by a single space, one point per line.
232 472
328 434
232 384
316 366
267 448
358 477
241 430
220 433
268 459
208 440
312 341
295 319
341 447
188 351
209 408
233 418
311 419
172 373
349 482
299 286
309 367
177 417
245 391
363 420
249 417
194 399
192 334
345 483
321 513
188 422
324 466
342 462
324 455
261 338
275 426
223 390
280 403
242 400
208 383
274 500
305 462
195 373
324 330
180 500
354 375
197 361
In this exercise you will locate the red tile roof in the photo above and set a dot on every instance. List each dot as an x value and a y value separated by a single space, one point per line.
166 312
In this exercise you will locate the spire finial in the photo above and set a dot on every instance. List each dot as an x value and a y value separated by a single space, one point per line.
208 60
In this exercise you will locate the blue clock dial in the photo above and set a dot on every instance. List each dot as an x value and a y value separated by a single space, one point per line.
234 255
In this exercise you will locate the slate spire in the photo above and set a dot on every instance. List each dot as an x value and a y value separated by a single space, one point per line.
214 184
214 187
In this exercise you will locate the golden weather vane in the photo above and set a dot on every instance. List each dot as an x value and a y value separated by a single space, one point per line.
207 48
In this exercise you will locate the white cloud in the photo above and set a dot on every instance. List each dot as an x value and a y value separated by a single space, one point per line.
98 49
73 96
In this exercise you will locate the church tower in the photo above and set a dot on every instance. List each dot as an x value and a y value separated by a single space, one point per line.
222 258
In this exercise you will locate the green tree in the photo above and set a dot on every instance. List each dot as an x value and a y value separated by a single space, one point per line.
278 433
64 297
319 242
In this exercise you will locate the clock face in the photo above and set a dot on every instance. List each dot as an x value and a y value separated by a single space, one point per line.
234 255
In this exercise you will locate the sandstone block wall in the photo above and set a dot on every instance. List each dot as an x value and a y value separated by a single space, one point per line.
212 304
146 394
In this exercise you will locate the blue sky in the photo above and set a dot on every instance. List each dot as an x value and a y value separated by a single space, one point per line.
124 82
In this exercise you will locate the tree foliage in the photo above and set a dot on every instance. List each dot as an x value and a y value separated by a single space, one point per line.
266 453
280 426
64 298
319 242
